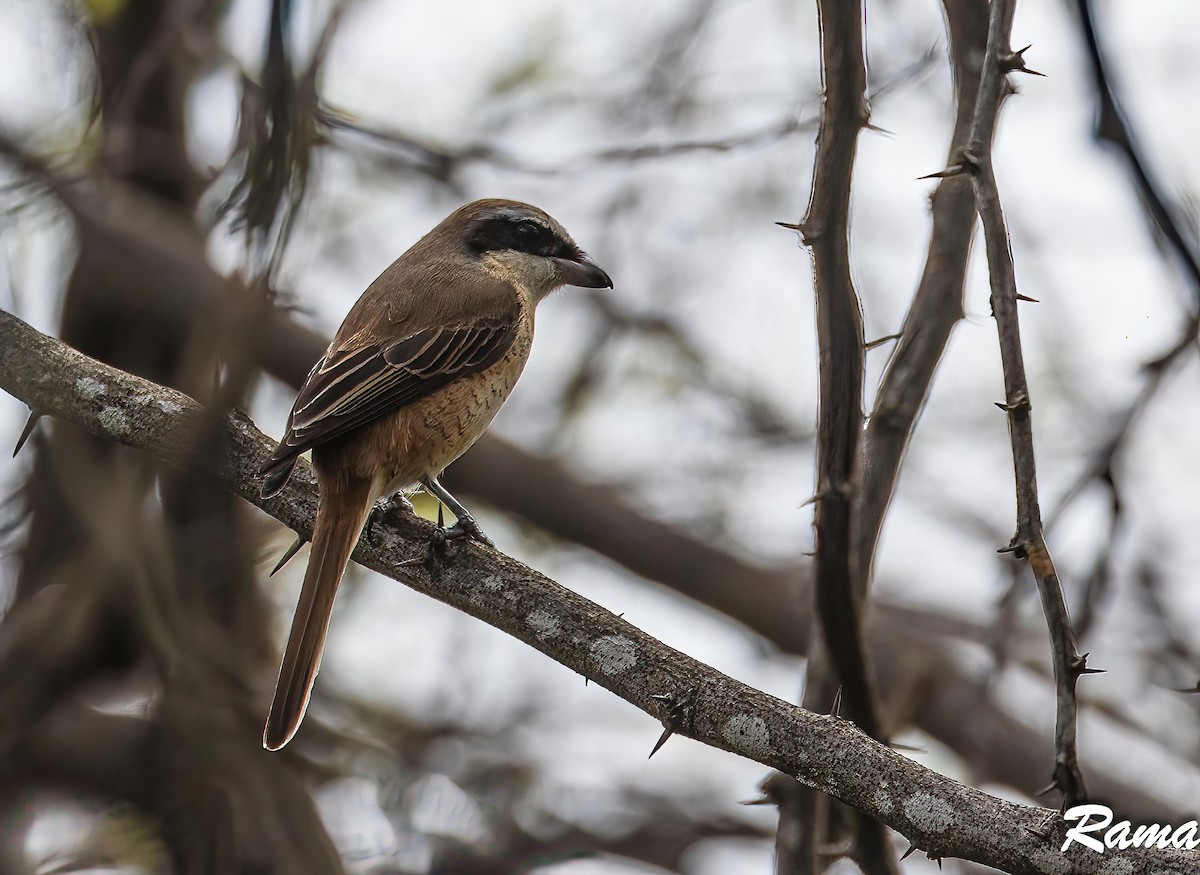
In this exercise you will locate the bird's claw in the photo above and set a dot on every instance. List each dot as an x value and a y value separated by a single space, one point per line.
383 507
466 527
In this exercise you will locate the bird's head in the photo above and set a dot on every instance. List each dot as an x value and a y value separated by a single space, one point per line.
525 246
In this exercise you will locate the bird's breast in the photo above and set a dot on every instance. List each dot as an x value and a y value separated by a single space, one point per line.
426 436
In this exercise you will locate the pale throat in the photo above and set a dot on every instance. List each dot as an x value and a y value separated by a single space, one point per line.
534 278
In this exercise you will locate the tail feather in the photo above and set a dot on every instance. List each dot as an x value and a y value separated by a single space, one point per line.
275 474
340 518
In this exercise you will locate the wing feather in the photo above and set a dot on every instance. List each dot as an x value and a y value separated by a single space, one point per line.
352 387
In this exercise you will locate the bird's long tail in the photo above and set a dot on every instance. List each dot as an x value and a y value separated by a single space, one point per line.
341 514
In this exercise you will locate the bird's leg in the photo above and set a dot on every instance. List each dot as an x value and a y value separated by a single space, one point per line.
466 525
395 501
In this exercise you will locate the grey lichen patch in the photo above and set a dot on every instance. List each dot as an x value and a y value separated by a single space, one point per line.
114 420
492 582
90 388
544 624
928 813
1052 862
748 734
164 404
883 799
614 654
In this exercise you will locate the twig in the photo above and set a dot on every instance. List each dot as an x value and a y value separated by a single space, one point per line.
440 162
1113 128
939 815
1029 541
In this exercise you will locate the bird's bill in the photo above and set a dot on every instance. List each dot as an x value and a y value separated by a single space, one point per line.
583 272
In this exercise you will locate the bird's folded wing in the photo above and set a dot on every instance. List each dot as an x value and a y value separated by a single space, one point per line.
354 386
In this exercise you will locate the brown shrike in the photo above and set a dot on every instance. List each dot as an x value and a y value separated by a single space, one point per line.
420 366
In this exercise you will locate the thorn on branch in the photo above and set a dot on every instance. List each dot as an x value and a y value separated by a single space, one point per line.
1016 548
1021 297
817 496
1014 62
287 555
807 236
1047 790
680 714
952 170
909 852
761 800
1017 406
30 425
1079 666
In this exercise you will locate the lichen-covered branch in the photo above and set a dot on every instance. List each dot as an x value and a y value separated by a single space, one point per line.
939 815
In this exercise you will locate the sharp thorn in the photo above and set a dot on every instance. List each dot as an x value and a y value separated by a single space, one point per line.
952 170
761 800
911 849
1021 297
1047 790
662 739
791 226
836 710
30 425
874 127
287 555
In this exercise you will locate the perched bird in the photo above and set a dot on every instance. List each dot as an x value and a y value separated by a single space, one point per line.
420 366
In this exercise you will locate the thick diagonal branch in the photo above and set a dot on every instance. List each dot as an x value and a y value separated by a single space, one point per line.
939 815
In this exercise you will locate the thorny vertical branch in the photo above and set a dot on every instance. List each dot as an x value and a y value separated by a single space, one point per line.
1028 542
825 229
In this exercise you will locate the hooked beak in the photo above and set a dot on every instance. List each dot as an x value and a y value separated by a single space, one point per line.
582 271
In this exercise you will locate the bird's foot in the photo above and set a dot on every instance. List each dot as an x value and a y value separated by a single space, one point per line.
466 527
383 507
